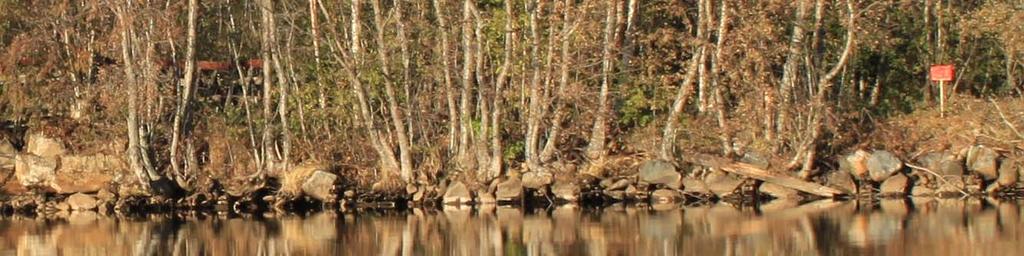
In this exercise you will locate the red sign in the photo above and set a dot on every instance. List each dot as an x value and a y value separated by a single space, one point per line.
941 73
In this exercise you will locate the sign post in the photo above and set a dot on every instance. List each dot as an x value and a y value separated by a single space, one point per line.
942 74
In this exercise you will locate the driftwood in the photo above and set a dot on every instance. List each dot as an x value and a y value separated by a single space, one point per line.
753 172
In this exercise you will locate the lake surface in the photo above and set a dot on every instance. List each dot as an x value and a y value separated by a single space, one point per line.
891 227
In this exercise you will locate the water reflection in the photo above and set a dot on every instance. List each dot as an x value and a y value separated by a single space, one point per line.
919 227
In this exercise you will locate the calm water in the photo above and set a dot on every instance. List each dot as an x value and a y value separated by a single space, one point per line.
922 227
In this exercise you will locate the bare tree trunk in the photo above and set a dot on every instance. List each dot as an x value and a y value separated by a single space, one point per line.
397 118
453 118
927 13
282 102
506 64
315 32
465 125
266 10
134 155
535 114
403 43
568 28
819 108
724 134
352 63
940 43
668 137
629 47
703 17
186 88
789 72
598 137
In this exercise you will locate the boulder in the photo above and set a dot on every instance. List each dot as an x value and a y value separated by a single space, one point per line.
615 194
7 153
1008 173
620 184
692 186
658 172
34 171
855 163
921 191
45 146
663 196
509 190
485 197
756 160
105 195
457 193
631 191
882 164
952 188
82 202
982 160
778 192
722 184
567 191
842 181
411 189
63 206
87 173
894 186
943 163
537 180
320 186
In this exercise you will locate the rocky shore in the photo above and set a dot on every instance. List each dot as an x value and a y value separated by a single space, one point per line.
45 179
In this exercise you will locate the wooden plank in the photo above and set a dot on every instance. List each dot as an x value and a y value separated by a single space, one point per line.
753 172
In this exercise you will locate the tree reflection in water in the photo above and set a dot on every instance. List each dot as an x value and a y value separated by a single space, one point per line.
918 226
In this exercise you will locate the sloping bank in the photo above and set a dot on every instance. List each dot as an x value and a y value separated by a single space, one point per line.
44 178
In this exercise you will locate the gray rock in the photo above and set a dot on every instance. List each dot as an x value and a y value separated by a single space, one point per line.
678 184
320 186
105 195
952 188
411 189
722 185
631 191
922 191
41 145
484 197
537 180
615 194
855 163
662 196
418 196
894 186
567 191
882 164
619 184
777 191
658 172
982 160
82 202
943 163
509 190
1008 173
457 193
755 159
34 171
842 181
7 153
63 206
692 186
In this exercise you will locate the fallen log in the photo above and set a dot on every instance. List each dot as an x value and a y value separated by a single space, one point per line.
753 172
